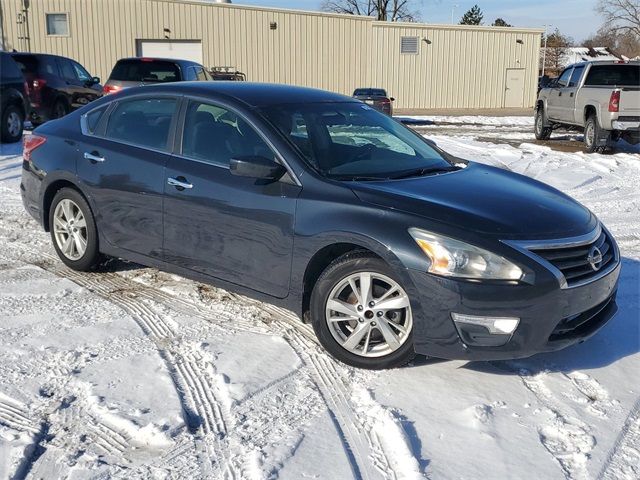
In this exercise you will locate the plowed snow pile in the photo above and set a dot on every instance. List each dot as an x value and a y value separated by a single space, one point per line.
133 373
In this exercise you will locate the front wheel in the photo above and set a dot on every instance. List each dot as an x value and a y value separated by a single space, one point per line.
73 230
60 109
541 132
362 314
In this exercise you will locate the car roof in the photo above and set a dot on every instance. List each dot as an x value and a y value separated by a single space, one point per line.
604 62
161 59
250 93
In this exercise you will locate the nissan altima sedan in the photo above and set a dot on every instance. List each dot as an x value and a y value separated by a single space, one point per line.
316 202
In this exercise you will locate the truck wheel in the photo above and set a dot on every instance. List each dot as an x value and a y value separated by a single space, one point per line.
591 134
541 132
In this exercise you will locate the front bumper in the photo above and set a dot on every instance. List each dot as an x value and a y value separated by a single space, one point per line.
551 318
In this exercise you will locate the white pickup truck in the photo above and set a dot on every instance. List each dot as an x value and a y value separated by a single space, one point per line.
600 97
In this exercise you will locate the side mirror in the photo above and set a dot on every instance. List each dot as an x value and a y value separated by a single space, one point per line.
392 99
93 81
256 167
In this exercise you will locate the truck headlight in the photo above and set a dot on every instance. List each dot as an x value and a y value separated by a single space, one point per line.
454 258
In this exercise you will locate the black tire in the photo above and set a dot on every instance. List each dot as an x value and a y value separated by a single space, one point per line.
336 272
11 132
541 132
60 109
591 134
91 257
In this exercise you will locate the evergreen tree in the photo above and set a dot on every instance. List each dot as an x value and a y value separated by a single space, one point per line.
499 22
473 16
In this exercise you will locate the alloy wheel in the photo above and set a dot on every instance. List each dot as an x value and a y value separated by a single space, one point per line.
369 314
70 229
590 134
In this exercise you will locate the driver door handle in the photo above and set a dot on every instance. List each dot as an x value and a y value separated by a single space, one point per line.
180 183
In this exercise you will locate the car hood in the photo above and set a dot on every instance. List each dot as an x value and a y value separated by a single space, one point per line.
484 199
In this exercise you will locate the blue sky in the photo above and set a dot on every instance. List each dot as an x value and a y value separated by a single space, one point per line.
575 18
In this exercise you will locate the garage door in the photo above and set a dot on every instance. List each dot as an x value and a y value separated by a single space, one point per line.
183 49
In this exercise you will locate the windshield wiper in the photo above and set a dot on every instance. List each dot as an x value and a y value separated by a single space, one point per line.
421 172
356 178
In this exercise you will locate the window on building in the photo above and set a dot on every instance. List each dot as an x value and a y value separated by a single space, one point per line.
142 122
409 44
57 24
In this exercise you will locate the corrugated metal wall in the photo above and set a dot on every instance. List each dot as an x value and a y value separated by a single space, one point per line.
460 67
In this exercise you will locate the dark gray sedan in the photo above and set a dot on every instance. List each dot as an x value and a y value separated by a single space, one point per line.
319 203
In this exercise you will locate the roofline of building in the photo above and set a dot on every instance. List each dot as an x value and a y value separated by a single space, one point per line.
362 18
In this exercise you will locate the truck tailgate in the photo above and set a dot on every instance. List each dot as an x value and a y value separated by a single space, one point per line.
629 101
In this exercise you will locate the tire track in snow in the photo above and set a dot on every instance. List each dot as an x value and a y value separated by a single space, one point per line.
623 461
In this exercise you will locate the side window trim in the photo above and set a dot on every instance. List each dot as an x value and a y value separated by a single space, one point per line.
177 150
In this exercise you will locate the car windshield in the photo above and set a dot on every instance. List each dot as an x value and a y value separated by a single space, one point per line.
145 70
369 92
352 141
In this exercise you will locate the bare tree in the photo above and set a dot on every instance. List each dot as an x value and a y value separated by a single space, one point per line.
620 16
627 43
385 10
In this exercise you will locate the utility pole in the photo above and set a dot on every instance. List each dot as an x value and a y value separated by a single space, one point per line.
453 11
544 50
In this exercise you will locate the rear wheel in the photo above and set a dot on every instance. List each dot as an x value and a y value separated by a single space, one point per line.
541 132
591 134
12 124
361 313
73 230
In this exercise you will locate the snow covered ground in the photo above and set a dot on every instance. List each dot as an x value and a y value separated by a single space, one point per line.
133 373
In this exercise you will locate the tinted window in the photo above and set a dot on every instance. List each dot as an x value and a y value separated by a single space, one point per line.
576 76
563 81
148 71
81 73
201 74
66 69
347 140
376 92
9 70
144 122
215 135
628 75
93 118
32 65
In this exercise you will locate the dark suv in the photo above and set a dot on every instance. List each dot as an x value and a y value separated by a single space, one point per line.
14 101
56 85
376 97
138 71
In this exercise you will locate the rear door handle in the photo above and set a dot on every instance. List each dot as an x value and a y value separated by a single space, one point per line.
571 94
180 183
93 157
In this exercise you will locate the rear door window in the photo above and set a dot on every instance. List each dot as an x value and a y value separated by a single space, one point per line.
144 122
147 71
9 70
576 76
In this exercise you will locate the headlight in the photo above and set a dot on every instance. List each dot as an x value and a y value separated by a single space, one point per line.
454 258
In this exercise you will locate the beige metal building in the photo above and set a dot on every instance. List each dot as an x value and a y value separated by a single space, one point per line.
422 66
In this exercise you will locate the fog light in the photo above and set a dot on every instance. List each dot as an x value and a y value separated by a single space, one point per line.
495 325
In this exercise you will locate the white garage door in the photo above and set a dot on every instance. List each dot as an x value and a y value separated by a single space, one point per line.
186 50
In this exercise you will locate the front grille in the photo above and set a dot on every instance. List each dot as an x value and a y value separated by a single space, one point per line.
583 323
574 262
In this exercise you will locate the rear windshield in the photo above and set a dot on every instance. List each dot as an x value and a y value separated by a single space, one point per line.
614 75
148 71
370 92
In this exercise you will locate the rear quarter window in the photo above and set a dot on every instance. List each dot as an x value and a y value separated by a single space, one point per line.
613 75
93 119
32 65
9 70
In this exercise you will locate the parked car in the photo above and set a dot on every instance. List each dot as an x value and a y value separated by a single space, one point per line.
376 97
57 85
303 198
600 97
138 71
14 100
